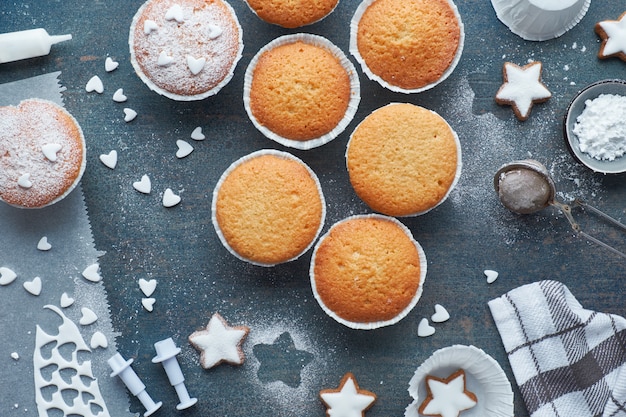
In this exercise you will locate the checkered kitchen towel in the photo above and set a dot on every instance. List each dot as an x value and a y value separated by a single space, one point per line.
567 361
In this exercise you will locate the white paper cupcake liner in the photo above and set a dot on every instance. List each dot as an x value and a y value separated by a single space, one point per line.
353 104
354 50
180 97
540 23
484 377
230 169
376 324
457 175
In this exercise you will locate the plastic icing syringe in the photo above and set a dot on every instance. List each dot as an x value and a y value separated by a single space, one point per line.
24 44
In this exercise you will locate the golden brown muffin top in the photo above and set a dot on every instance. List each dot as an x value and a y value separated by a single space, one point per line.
409 43
292 13
269 208
366 269
299 91
41 143
402 159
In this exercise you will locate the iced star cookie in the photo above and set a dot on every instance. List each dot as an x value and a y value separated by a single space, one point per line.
219 342
613 35
348 400
447 397
522 88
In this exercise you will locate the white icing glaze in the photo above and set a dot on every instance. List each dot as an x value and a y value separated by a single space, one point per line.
184 149
144 185
219 343
523 86
89 397
43 244
7 275
348 401
448 398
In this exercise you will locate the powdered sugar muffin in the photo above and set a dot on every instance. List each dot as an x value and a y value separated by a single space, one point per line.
368 271
403 159
185 49
290 13
268 208
407 46
42 153
301 91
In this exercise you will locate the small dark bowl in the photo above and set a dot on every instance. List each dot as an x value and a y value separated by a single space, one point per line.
575 108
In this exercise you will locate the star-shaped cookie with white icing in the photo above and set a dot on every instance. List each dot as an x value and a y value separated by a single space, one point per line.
522 88
447 397
348 400
219 342
613 35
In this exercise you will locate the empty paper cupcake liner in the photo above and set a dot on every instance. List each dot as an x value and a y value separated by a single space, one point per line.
484 377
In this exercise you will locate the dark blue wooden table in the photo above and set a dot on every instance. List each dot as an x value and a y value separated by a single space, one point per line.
196 276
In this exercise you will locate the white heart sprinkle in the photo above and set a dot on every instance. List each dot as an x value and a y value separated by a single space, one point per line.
110 65
175 13
213 31
24 181
7 275
491 275
98 340
184 149
15 356
424 329
50 151
195 65
129 115
164 59
43 244
144 186
149 26
147 287
34 286
95 84
441 314
197 134
66 300
119 96
87 316
110 159
148 303
169 198
91 273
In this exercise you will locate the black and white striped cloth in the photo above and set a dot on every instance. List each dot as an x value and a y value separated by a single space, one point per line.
567 361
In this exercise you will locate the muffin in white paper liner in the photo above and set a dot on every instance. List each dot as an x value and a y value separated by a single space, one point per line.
375 324
355 90
484 377
354 50
540 20
195 30
277 20
236 164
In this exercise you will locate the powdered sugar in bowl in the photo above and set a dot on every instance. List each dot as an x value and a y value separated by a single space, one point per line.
595 126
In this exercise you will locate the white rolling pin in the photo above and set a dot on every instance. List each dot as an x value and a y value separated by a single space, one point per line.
24 44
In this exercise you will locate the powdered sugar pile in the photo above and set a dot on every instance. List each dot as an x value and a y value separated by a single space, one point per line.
601 127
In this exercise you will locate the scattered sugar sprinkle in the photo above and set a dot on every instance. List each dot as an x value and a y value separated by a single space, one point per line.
16 357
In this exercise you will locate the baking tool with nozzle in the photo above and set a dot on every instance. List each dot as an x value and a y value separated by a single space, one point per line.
166 355
526 187
15 46
122 368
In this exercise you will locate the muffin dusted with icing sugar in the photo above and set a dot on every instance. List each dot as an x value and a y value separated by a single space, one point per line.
367 271
407 45
268 208
403 159
290 13
42 153
301 91
185 49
